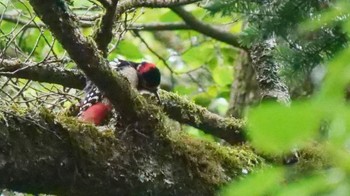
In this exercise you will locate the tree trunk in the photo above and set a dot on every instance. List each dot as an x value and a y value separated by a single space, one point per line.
244 89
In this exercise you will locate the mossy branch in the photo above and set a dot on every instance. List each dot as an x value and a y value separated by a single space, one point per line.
175 107
43 153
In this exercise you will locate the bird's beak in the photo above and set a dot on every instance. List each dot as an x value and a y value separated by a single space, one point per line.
157 95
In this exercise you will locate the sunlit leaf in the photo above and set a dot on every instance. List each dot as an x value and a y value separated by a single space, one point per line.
276 129
169 16
129 50
263 182
185 90
202 99
223 75
309 186
197 56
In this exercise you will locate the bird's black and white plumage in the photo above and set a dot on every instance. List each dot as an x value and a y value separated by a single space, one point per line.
142 76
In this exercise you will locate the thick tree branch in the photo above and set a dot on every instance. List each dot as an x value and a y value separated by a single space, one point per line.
50 72
244 89
177 108
229 129
104 35
44 154
105 3
206 29
266 69
84 52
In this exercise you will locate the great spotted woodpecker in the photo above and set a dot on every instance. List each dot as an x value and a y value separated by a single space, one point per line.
143 76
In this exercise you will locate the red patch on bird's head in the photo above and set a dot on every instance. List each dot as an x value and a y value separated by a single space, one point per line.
145 67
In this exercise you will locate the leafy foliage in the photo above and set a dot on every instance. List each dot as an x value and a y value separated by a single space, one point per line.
276 129
299 53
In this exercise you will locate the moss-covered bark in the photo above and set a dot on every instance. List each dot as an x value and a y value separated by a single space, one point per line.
58 155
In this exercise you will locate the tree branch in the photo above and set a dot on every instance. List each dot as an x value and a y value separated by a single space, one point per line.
44 154
104 35
183 111
159 26
105 3
244 89
30 24
129 4
50 72
90 23
206 29
84 52
266 69
177 108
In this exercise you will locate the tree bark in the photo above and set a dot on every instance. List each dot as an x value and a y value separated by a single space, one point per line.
244 89
266 68
40 153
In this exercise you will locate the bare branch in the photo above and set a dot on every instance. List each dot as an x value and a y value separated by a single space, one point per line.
206 29
30 24
129 4
89 22
159 26
51 72
104 34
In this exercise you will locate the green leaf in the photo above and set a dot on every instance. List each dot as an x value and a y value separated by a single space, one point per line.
307 186
223 75
7 27
184 90
129 50
274 128
263 182
199 134
197 56
202 99
169 16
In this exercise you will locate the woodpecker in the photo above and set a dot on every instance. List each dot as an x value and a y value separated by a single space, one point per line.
143 76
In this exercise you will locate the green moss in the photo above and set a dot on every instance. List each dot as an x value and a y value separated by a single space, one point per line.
312 157
87 139
214 163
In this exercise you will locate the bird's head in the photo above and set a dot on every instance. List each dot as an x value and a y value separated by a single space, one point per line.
149 75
